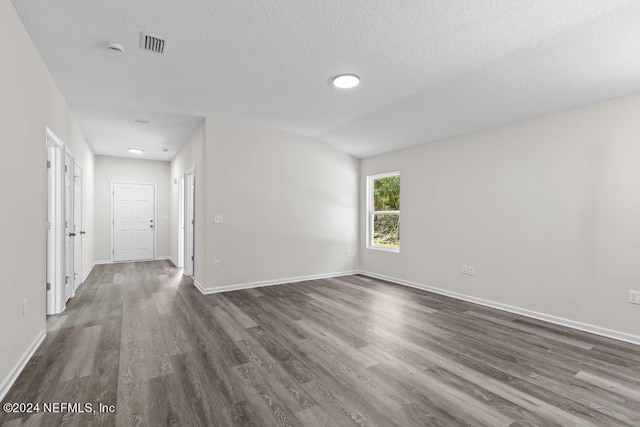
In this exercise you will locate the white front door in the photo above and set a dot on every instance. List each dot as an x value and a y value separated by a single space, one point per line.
77 226
68 227
133 221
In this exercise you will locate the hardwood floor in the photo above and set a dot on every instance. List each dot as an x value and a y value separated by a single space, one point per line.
344 351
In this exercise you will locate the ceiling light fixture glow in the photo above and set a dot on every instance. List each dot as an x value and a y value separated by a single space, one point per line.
134 150
346 81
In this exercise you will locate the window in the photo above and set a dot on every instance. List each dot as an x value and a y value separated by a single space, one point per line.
383 212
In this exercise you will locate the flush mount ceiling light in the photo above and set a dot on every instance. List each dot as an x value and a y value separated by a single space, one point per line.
346 81
134 150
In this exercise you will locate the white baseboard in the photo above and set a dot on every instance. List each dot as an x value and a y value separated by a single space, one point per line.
168 258
103 261
597 330
199 286
88 273
249 285
13 374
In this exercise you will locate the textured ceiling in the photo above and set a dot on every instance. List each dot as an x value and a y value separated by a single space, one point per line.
113 130
429 69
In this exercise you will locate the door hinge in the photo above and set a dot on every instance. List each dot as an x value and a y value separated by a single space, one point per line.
191 257
66 168
113 252
48 164
66 279
48 286
192 222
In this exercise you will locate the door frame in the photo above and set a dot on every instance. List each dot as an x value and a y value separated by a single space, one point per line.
189 264
181 221
77 227
155 216
69 226
54 258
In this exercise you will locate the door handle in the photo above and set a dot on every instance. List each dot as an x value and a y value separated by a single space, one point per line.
72 234
83 232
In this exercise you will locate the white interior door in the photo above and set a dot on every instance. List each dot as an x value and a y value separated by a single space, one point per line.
77 226
181 217
133 221
52 252
55 224
189 257
68 227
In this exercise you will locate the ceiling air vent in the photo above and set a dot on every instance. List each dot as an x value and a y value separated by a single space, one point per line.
152 43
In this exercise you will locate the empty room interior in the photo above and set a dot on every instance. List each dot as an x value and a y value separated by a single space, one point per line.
384 213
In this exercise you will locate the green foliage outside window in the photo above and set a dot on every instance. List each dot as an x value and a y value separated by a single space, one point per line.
386 193
386 226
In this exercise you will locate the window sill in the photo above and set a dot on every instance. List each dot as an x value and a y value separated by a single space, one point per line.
376 248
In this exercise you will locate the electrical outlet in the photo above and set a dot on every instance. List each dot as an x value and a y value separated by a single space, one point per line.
216 263
348 253
465 269
471 270
634 297
217 219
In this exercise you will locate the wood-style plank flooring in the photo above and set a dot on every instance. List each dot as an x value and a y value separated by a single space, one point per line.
344 351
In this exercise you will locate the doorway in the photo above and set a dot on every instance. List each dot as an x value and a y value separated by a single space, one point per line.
69 235
78 233
55 238
63 248
181 217
189 221
133 221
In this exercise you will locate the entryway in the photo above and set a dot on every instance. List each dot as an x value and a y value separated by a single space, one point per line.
133 223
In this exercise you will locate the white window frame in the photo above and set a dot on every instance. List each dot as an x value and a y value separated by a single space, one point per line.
371 212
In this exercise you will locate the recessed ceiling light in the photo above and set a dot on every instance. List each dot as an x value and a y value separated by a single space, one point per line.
136 150
346 81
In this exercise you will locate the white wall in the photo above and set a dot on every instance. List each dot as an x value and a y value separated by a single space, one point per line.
29 102
547 210
190 155
108 169
289 205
